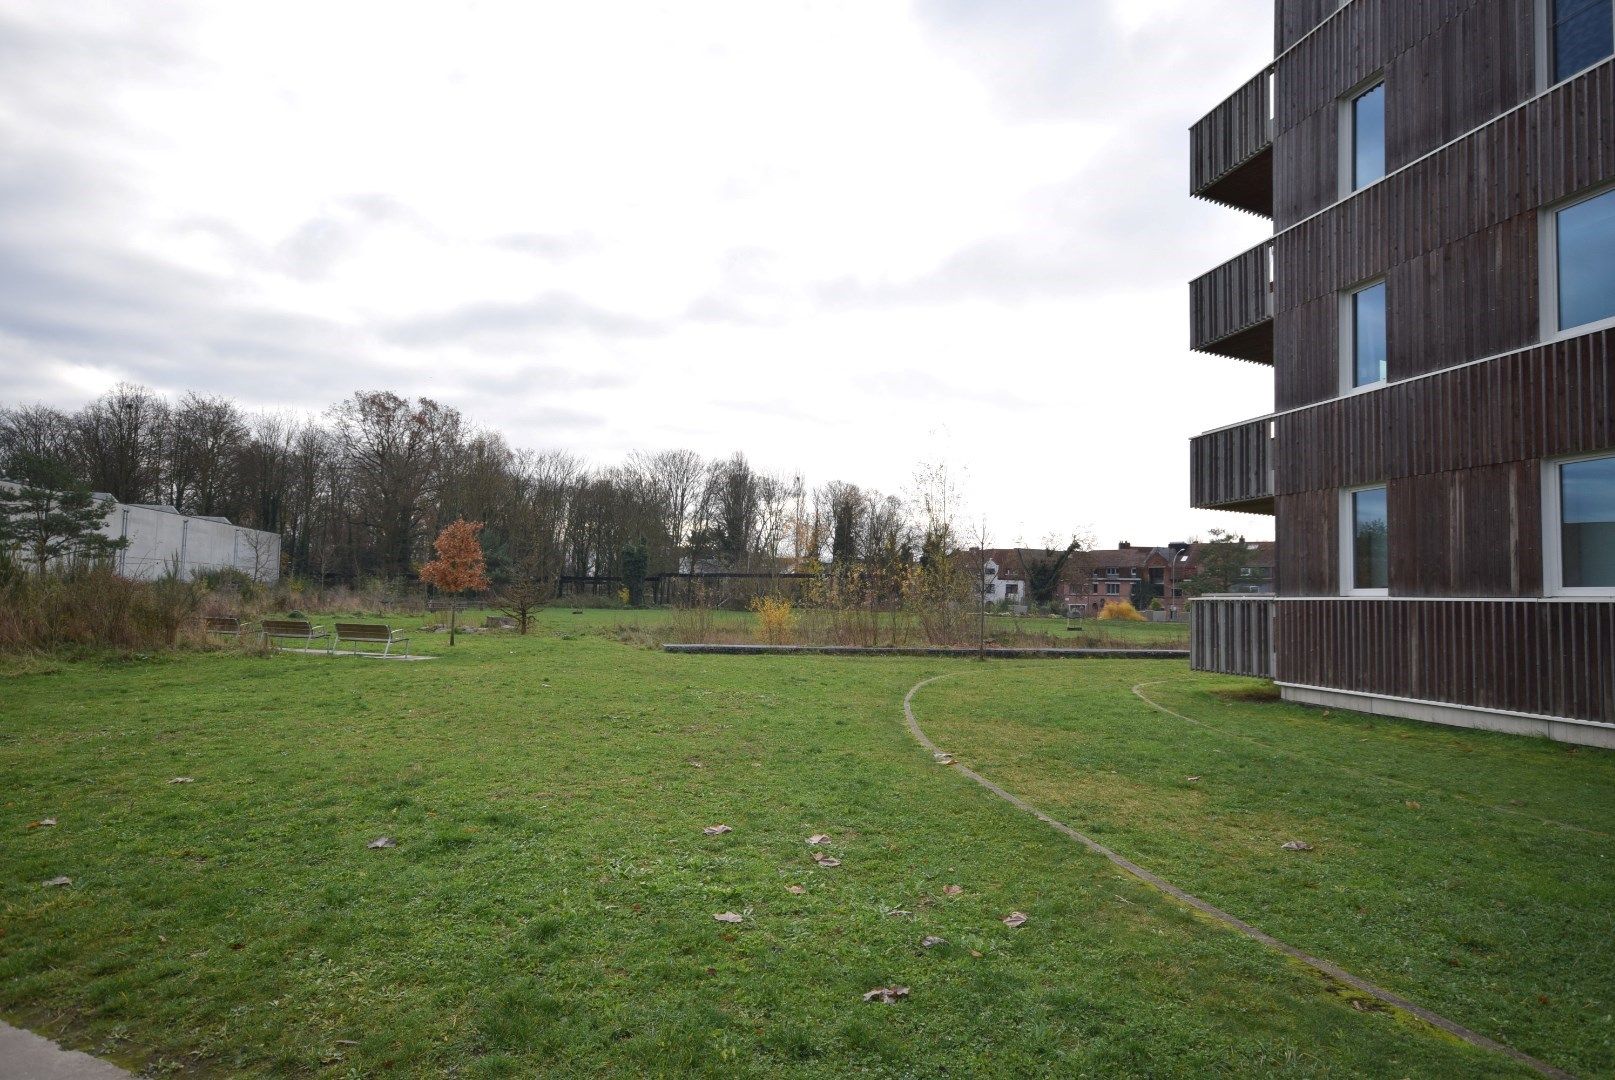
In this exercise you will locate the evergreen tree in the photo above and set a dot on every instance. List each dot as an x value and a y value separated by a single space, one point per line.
52 516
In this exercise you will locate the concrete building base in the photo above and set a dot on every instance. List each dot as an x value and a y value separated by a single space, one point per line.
1557 728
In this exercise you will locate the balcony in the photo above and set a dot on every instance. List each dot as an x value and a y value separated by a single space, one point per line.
1231 308
1232 635
1232 468
1231 149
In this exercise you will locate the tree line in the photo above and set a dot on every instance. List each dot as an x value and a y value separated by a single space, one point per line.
359 491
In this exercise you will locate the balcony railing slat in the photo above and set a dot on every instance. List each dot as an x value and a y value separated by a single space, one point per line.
1233 468
1232 635
1232 135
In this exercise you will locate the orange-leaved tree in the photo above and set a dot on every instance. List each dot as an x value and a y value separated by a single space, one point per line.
458 567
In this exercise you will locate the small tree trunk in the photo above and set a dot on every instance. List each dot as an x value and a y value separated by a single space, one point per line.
452 606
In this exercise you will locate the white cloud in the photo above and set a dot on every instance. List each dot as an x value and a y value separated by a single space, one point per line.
821 231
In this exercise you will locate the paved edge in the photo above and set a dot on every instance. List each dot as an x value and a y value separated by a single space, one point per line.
926 650
1333 971
26 1056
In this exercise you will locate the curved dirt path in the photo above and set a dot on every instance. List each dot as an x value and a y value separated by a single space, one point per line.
1339 974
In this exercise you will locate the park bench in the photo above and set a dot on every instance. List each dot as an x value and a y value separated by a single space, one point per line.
225 625
367 633
290 629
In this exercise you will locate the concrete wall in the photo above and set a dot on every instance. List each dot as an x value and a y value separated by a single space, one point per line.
160 535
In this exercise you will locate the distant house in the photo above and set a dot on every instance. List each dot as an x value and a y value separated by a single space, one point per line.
161 539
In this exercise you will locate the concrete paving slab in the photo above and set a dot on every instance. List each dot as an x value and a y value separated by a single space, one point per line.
26 1056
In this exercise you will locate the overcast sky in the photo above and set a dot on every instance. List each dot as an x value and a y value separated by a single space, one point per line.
844 236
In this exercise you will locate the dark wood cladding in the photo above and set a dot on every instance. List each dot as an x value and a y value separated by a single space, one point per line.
1295 19
1456 238
1233 468
1232 635
1550 401
1307 528
1230 159
1448 67
1231 309
1543 658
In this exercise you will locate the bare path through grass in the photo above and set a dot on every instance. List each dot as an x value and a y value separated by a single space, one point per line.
1324 967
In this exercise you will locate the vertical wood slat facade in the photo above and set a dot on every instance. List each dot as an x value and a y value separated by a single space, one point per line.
1553 658
1233 468
1232 635
1476 405
1231 308
1230 157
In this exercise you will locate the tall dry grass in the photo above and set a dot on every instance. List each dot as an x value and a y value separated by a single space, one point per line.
93 608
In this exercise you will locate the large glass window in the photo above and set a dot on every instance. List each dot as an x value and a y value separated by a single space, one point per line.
1587 523
1368 137
1368 335
1370 535
1583 33
1585 239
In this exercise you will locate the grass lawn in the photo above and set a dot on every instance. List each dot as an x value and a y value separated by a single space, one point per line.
548 906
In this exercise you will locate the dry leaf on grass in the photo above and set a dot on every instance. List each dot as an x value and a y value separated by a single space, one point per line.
943 758
1015 918
183 780
818 838
953 890
795 890
1192 779
900 913
825 860
1297 845
43 822
717 830
694 764
729 917
886 994
1413 805
976 954
382 842
932 941
60 881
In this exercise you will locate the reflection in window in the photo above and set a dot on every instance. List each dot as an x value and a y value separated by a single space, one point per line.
1586 268
1587 523
1583 34
1370 533
1368 137
1368 335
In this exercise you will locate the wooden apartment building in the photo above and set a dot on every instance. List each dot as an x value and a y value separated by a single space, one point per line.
1437 303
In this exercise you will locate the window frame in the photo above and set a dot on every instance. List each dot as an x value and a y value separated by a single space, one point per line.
1545 53
1347 136
1348 541
1553 566
1548 245
1348 337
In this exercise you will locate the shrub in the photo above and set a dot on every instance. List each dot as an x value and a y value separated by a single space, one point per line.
1122 610
93 608
776 621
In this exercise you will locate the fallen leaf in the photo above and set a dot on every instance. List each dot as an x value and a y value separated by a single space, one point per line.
1412 805
976 954
729 917
795 890
162 938
60 881
818 838
1015 918
347 1042
899 913
932 941
183 780
1297 845
825 860
943 759
717 830
43 822
953 890
382 842
1192 779
886 994
694 764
